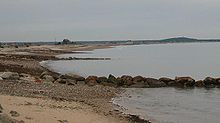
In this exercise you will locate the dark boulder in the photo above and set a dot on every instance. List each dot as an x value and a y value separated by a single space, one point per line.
54 75
72 76
95 78
102 79
166 80
119 82
138 79
112 79
210 82
199 83
127 80
1 108
141 84
185 81
91 80
154 83
217 81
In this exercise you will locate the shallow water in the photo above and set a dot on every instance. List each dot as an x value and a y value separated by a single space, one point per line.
198 60
166 105
173 105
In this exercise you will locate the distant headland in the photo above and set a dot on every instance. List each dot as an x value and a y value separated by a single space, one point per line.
108 42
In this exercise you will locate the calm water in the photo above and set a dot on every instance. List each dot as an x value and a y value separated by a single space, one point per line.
170 105
198 60
166 105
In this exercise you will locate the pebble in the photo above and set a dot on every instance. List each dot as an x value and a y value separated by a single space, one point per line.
14 114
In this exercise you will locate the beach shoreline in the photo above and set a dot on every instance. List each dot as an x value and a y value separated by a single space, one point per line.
26 60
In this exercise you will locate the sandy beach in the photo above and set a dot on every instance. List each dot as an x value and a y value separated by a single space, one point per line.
38 110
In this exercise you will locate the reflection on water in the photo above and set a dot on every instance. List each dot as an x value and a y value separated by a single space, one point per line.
173 105
198 60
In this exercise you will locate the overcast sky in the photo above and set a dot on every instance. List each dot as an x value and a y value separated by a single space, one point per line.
34 20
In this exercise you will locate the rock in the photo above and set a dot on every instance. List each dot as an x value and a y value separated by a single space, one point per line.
14 114
55 76
137 79
95 78
102 79
166 80
1 108
217 81
63 121
210 82
173 83
10 76
199 83
91 80
48 79
185 81
127 80
112 79
72 76
141 84
119 82
154 83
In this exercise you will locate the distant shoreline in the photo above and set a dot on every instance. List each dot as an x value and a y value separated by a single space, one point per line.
114 42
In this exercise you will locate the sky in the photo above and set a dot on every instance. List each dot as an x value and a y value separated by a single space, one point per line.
47 20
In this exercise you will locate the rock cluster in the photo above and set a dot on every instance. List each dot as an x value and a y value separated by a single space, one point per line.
123 81
136 82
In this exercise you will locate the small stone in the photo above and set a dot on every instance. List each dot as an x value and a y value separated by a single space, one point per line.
1 108
28 103
63 121
72 76
28 118
21 121
14 114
